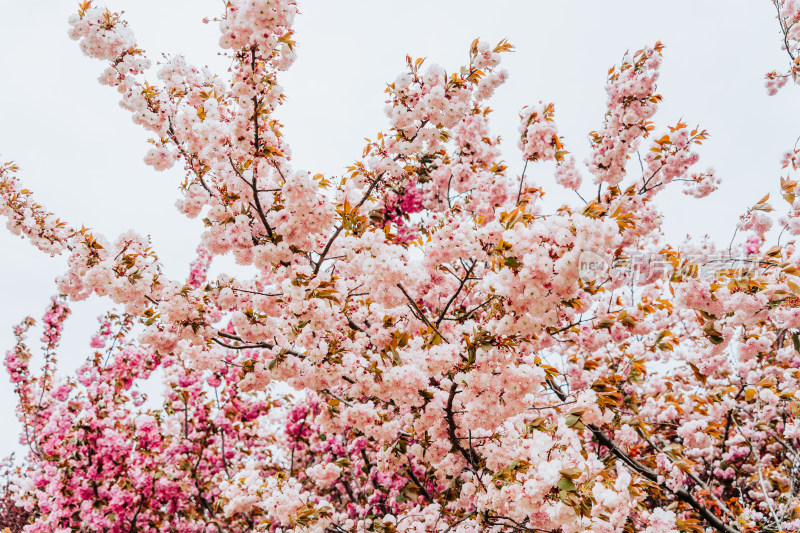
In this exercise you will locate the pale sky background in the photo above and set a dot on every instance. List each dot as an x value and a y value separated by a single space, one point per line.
82 156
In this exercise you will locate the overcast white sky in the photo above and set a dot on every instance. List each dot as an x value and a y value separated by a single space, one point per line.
82 156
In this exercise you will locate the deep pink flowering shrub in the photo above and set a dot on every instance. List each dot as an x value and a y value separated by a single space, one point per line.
12 517
462 360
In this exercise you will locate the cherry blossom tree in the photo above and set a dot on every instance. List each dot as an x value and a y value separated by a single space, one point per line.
461 360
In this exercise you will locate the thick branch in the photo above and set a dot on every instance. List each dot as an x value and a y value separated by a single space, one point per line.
648 474
470 455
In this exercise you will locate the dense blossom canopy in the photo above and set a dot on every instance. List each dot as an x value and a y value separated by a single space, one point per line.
461 361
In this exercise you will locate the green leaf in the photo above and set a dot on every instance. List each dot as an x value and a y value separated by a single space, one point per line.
566 484
574 421
716 339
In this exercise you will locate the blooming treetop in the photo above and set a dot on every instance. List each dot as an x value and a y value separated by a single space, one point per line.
460 370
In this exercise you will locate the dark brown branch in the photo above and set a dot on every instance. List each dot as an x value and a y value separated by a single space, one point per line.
327 249
455 295
454 524
474 310
242 346
372 480
416 481
280 173
258 208
136 514
349 490
256 141
522 181
256 292
266 345
364 198
419 312
353 325
190 159
335 396
370 189
785 30
224 459
470 455
648 474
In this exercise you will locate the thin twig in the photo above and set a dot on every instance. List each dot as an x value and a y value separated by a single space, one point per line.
419 314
